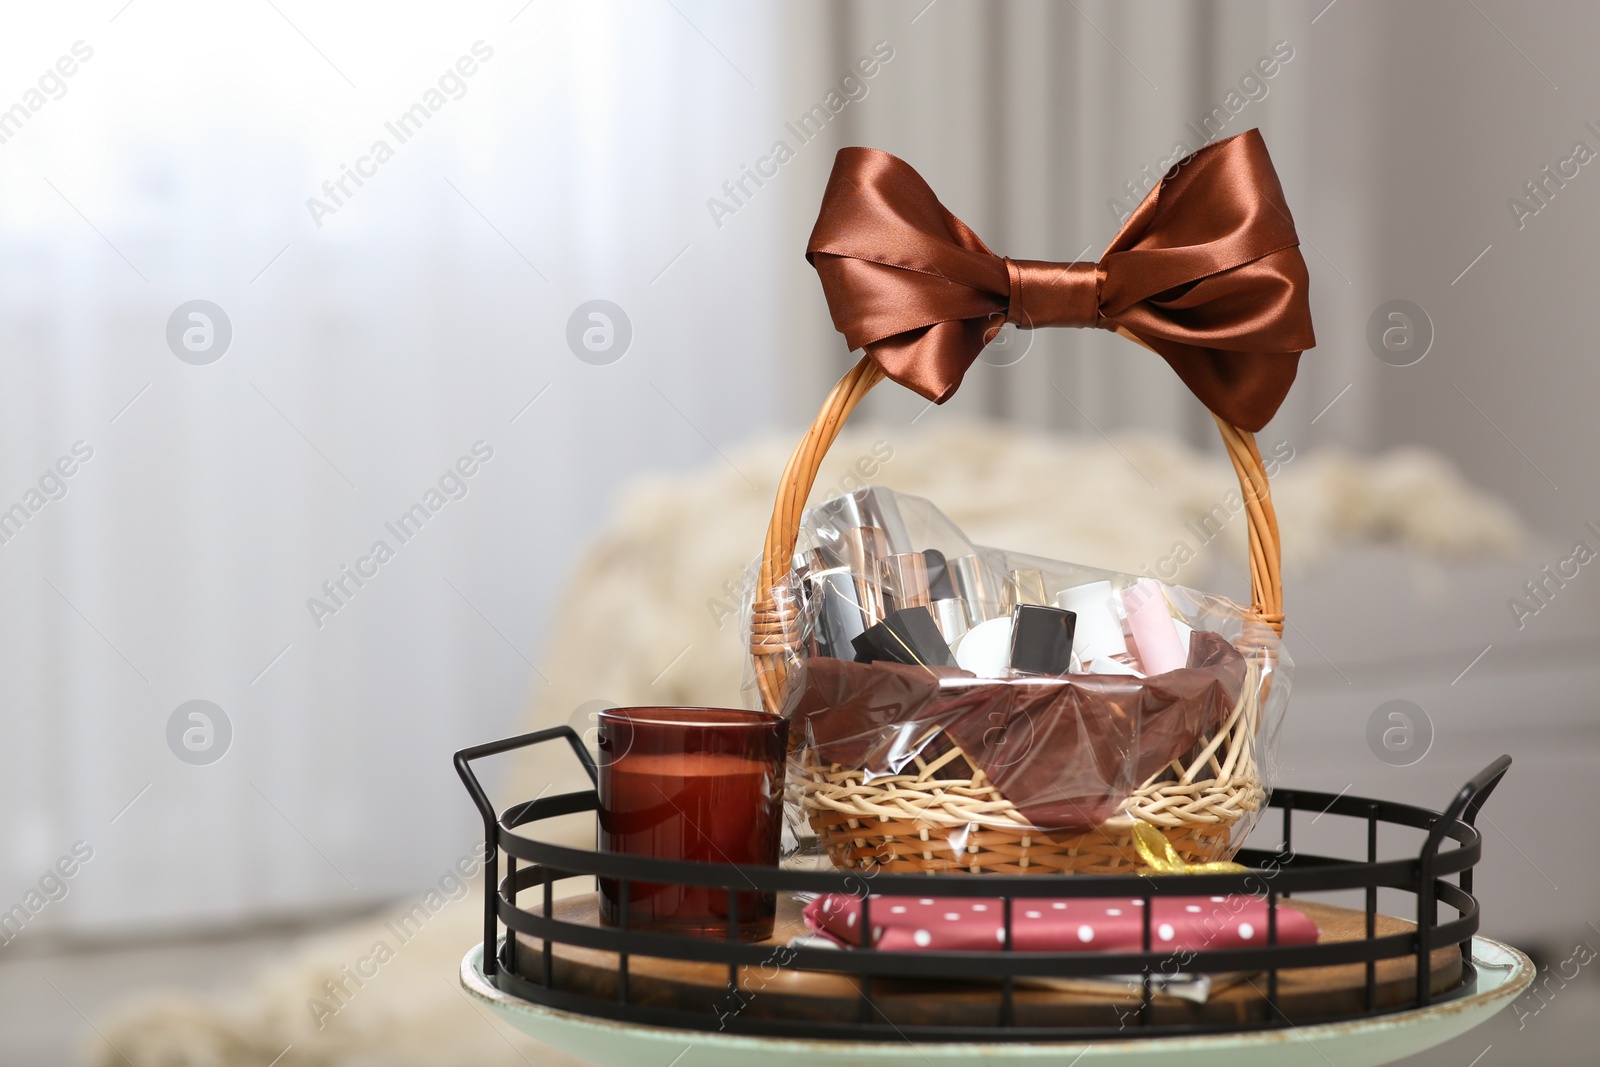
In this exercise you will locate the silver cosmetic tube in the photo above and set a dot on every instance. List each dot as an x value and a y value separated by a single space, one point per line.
865 549
871 506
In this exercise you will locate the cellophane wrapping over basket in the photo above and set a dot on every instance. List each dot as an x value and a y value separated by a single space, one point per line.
916 745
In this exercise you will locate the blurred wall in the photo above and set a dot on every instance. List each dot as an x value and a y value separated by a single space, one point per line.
379 330
1463 106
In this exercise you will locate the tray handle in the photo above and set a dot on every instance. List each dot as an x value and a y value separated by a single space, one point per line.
1468 801
491 859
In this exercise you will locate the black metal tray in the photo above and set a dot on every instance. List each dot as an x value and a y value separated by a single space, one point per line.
536 865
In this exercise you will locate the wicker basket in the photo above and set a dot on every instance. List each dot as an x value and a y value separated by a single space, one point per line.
947 816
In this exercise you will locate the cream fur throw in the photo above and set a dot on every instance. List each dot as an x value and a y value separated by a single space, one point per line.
662 581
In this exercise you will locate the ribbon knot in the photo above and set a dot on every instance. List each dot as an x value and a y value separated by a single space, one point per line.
1206 272
1043 294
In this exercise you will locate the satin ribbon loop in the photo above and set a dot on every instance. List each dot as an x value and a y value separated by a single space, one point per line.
1206 272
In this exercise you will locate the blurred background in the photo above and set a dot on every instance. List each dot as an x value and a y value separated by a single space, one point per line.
274 274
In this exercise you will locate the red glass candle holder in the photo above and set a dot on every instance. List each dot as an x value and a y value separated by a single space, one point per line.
703 784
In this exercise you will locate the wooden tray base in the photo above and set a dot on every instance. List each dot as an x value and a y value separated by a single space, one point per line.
1304 994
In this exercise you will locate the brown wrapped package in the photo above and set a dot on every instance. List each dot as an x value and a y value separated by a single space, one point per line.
1065 751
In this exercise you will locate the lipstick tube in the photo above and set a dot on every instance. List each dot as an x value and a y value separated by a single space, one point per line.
865 548
967 575
905 581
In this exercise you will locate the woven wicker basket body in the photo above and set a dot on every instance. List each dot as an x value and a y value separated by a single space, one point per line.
941 814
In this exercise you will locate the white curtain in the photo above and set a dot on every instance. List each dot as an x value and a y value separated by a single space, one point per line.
381 333
368 355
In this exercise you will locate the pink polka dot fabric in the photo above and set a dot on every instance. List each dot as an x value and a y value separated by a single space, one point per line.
1098 924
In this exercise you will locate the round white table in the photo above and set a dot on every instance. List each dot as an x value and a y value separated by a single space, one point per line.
1503 973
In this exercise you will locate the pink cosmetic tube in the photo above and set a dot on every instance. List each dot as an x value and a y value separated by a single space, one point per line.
1150 623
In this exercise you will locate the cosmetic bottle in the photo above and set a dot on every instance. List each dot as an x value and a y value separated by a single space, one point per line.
972 586
865 548
951 617
1098 633
1150 624
940 587
1041 639
1025 586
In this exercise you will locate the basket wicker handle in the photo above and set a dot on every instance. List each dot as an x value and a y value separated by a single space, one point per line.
773 632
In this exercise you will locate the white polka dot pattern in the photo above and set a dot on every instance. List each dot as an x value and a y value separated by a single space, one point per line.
1195 924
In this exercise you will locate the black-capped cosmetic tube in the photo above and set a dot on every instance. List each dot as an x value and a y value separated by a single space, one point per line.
939 585
1041 639
840 617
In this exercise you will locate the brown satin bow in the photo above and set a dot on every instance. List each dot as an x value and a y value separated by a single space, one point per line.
1206 272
